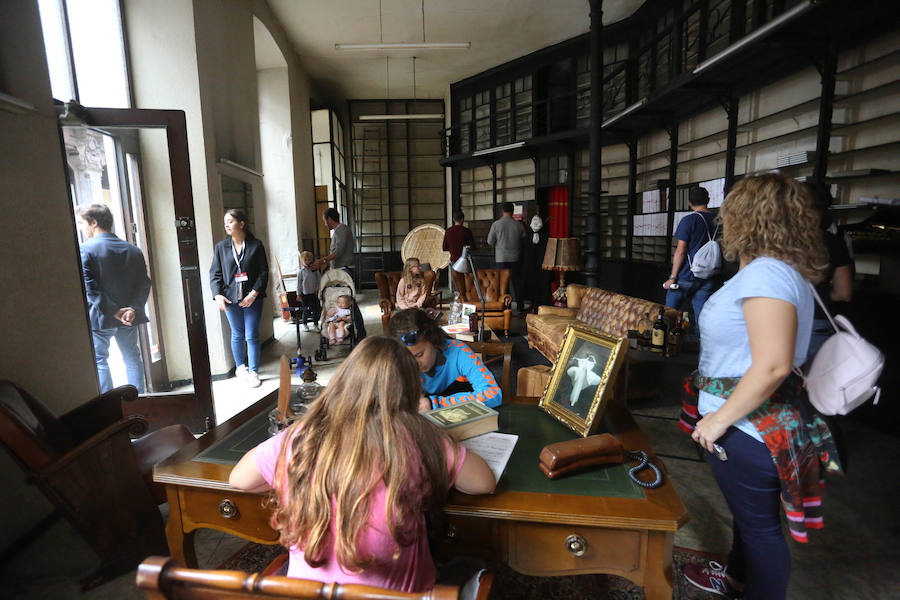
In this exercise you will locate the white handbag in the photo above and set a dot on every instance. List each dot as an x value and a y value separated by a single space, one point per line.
844 372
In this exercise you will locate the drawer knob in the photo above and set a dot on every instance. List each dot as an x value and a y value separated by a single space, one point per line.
451 533
576 544
228 509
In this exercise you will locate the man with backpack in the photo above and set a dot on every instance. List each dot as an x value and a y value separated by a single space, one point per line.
697 257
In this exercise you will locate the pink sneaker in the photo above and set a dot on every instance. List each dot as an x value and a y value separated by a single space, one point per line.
712 578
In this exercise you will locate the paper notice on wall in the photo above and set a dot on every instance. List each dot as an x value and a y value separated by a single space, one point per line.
518 212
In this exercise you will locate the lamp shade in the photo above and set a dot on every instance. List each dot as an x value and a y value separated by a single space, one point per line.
562 254
462 263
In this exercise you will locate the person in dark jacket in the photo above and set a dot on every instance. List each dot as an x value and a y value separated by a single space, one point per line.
117 287
238 278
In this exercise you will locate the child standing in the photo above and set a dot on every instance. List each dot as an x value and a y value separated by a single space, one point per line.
354 478
308 278
411 291
337 318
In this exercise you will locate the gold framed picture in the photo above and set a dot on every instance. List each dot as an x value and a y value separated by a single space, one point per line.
583 378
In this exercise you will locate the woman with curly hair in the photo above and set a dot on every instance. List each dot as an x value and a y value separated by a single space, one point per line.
354 478
767 447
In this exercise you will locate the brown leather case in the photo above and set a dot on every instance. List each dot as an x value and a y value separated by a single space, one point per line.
561 454
584 463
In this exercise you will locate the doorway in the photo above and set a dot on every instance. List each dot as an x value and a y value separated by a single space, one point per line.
135 162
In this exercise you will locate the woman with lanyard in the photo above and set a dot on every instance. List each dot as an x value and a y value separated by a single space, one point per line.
238 278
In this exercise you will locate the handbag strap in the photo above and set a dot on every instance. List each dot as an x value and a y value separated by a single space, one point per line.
822 305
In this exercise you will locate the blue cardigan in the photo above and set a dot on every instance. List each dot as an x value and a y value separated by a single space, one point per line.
460 363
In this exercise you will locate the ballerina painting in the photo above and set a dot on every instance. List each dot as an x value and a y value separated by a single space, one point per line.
583 378
582 375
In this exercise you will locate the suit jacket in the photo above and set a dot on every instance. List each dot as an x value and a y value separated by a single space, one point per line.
223 269
115 276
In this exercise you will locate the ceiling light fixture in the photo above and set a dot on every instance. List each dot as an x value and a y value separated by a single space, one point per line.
423 45
407 46
408 117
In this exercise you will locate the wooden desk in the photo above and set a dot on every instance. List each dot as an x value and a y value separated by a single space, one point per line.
630 537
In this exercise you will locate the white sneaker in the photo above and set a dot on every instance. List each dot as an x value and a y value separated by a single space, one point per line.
305 327
253 379
241 372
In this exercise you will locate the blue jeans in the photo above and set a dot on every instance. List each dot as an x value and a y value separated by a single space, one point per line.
697 291
127 341
515 282
245 327
749 481
821 331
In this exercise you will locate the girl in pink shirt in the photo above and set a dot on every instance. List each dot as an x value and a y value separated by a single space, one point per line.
354 478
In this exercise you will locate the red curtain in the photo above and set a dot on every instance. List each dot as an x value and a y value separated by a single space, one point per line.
559 211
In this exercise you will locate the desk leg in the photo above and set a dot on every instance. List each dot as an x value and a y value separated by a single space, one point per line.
181 543
658 580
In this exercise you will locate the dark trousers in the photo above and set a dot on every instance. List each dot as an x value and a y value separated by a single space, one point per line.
515 281
749 481
311 302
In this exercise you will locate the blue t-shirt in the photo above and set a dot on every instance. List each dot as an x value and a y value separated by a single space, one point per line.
695 232
725 348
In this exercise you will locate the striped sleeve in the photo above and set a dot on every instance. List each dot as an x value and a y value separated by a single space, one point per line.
471 369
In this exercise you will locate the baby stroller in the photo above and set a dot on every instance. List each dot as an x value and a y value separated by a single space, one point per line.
335 283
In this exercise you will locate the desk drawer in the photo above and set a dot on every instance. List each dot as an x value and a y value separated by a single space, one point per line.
536 549
233 512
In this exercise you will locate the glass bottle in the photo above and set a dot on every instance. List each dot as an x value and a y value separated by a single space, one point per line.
675 335
658 335
685 322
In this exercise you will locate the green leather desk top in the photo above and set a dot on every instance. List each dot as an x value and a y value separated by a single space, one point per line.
534 427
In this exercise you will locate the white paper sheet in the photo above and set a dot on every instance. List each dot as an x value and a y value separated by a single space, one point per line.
495 448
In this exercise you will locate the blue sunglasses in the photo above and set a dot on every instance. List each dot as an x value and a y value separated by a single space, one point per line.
411 338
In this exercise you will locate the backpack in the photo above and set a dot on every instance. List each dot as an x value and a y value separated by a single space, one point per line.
844 371
707 260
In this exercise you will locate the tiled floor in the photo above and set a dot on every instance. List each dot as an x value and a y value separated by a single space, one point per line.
856 556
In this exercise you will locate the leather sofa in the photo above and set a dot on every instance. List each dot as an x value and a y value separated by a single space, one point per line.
494 285
610 312
387 282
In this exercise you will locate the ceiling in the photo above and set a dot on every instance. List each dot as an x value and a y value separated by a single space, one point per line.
499 31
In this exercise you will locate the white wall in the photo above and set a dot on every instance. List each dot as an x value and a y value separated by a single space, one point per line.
46 339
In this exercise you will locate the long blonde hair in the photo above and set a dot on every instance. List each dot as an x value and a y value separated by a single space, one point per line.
363 430
409 277
773 215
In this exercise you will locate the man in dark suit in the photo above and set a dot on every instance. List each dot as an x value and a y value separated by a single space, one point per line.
117 286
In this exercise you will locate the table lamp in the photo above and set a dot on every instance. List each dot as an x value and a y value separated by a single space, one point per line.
464 264
562 254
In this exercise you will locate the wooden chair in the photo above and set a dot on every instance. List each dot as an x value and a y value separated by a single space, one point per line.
495 287
162 578
497 351
388 281
291 308
86 465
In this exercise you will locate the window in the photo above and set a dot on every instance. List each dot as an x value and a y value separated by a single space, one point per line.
86 51
503 115
483 120
523 107
465 123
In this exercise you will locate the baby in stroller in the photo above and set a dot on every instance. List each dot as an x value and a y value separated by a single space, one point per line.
336 292
338 317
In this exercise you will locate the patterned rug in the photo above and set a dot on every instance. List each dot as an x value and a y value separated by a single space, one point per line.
510 585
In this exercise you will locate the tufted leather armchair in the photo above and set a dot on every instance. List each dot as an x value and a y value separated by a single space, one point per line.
387 282
495 287
607 311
